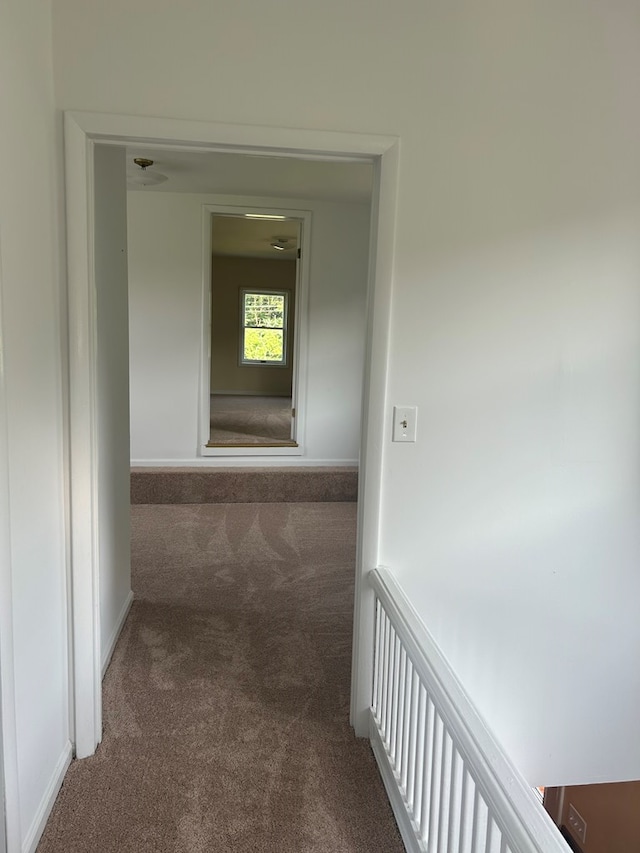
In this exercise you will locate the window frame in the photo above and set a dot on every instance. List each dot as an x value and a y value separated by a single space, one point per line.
261 291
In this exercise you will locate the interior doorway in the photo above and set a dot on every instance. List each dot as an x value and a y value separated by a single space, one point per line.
89 456
256 327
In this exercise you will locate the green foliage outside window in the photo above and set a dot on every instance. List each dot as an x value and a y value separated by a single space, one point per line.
264 319
263 345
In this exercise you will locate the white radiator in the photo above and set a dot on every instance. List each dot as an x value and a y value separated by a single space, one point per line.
452 788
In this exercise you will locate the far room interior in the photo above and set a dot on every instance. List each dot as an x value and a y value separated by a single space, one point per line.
254 284
190 261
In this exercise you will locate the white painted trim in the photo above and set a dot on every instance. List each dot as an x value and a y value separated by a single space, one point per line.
235 138
85 598
3 810
236 206
407 830
115 634
82 130
36 829
374 428
523 821
300 379
244 462
224 393
283 362
258 451
9 787
206 297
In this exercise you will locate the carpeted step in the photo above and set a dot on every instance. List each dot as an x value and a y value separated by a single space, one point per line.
242 485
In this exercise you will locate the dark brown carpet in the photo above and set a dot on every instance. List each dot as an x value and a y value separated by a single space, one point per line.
226 704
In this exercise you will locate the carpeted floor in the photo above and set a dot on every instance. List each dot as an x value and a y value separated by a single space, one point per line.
243 485
251 420
226 703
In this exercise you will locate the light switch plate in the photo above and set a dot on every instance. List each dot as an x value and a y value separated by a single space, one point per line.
405 421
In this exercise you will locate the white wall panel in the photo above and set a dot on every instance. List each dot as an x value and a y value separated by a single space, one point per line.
165 285
32 305
512 523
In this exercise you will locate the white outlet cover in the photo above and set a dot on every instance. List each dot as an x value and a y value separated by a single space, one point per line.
577 824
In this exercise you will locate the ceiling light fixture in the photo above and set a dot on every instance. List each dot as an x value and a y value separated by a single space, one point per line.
143 177
282 243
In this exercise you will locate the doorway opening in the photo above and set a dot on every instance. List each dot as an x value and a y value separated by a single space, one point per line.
90 456
257 329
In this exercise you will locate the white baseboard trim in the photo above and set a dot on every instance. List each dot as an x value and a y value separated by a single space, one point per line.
249 394
239 462
407 830
42 815
253 452
113 639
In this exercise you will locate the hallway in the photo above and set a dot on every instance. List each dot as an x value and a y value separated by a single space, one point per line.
226 703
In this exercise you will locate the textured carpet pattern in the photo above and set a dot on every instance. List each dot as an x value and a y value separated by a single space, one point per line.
226 703
242 485
238 420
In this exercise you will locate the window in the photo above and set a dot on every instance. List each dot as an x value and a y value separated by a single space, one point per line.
263 332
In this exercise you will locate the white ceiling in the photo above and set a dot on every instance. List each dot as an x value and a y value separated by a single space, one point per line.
254 175
235 235
257 175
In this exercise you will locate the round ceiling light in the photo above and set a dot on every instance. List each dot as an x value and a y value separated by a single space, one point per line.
143 177
282 244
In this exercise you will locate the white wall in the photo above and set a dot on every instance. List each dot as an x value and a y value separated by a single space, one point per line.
112 393
8 753
513 521
165 286
33 573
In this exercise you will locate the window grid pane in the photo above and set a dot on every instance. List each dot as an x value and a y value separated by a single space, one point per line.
263 310
263 344
263 328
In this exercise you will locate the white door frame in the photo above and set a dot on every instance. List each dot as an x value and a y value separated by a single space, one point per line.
82 131
10 834
300 326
